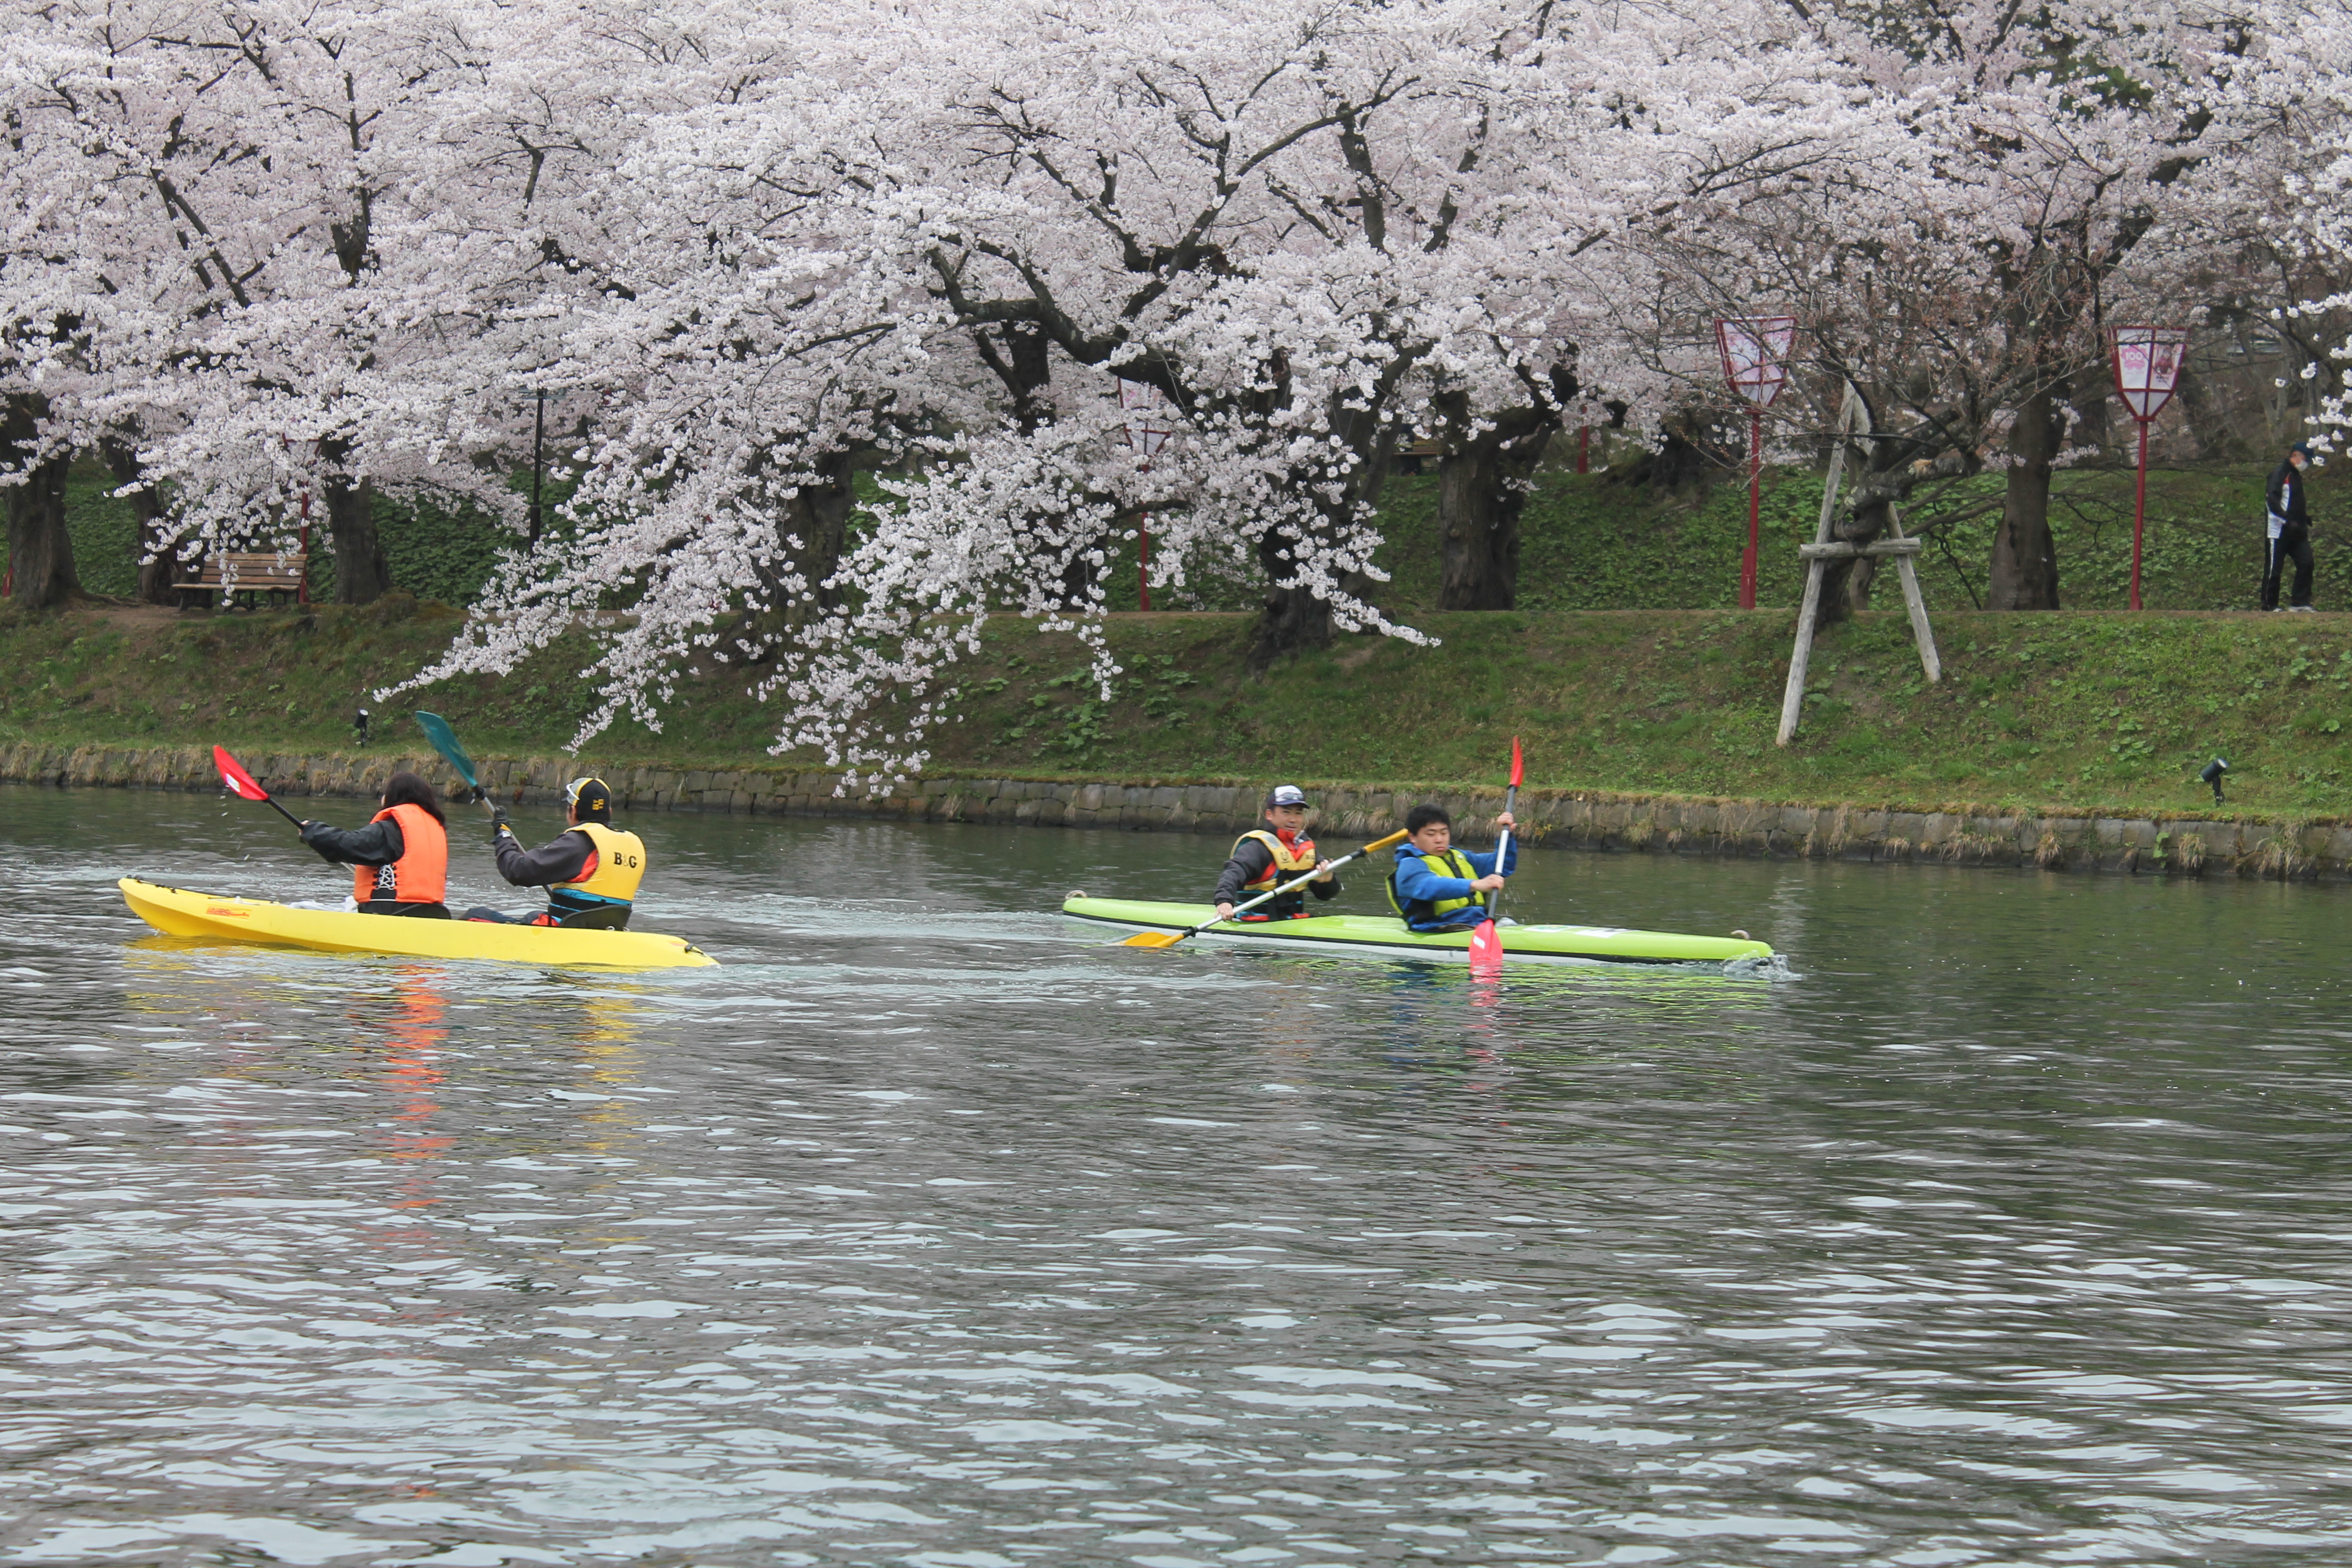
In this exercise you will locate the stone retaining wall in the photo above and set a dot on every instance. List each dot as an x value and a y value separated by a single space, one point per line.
2184 845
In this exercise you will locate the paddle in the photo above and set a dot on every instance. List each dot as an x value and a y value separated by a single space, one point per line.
1166 939
445 740
245 787
1487 942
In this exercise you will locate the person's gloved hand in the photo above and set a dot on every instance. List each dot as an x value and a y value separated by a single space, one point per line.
498 827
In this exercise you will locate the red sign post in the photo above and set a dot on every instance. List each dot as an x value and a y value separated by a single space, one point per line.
1755 352
1136 397
2148 370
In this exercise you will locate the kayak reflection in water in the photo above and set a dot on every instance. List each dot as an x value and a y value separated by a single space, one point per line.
400 860
1436 887
591 871
1266 857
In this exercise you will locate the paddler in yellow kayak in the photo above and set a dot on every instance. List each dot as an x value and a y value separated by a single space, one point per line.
400 860
1266 856
591 871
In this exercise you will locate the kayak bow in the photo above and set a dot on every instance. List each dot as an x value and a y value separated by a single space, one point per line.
1387 937
175 911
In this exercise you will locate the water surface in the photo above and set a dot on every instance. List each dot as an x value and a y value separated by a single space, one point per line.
929 1230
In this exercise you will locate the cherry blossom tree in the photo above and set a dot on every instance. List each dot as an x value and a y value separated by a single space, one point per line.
2043 180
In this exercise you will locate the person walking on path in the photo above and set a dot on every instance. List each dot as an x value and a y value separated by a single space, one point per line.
2290 531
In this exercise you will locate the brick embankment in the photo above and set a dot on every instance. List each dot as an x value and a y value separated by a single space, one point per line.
1585 819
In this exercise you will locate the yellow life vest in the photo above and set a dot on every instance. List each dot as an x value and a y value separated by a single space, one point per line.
1290 861
620 867
1450 864
1287 863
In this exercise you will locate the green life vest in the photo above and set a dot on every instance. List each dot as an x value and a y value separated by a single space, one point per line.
1450 864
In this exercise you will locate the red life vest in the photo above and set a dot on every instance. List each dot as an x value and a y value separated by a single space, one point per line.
421 874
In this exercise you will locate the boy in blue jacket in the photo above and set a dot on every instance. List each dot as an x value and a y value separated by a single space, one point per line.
1435 887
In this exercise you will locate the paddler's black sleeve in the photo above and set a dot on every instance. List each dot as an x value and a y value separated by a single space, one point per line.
560 860
377 843
1249 863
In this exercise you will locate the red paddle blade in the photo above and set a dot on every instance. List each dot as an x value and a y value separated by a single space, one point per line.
1486 949
1519 764
233 774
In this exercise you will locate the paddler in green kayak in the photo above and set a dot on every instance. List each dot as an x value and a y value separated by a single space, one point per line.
400 860
591 871
1266 857
1435 887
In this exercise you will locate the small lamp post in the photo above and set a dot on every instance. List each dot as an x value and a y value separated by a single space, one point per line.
1140 398
1754 351
2148 370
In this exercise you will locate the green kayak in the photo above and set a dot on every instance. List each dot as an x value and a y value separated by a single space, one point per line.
1387 937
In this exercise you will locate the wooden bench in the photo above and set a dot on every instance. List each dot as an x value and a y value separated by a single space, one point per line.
284 578
1418 457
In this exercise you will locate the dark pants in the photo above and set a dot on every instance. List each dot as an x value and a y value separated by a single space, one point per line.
609 917
2293 543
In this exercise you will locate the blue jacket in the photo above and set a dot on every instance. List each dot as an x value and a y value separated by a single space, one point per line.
1415 883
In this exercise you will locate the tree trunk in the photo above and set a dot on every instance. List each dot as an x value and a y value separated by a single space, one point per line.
361 574
1296 620
2024 558
818 516
40 551
1293 619
1482 488
1845 588
155 575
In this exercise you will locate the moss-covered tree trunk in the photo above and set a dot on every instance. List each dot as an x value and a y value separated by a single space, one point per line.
158 565
1294 618
40 573
2024 574
40 553
1482 490
362 574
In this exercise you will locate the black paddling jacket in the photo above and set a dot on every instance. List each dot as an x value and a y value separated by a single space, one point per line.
1251 862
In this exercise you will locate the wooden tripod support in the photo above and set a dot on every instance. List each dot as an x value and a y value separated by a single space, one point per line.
1824 550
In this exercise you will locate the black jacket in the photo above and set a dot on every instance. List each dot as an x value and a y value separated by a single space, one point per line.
560 859
377 843
2285 495
1251 860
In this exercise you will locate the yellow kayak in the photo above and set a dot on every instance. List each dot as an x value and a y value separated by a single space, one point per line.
175 911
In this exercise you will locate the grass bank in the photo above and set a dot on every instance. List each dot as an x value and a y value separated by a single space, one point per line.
1587 543
2086 714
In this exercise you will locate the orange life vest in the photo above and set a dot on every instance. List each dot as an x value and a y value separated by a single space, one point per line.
421 874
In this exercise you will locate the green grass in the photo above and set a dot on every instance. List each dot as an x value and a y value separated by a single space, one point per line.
2108 713
1589 545
1586 545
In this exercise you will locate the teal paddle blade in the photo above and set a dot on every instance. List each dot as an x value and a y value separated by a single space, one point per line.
445 740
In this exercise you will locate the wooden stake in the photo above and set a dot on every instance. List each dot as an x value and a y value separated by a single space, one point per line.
1793 700
1822 550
